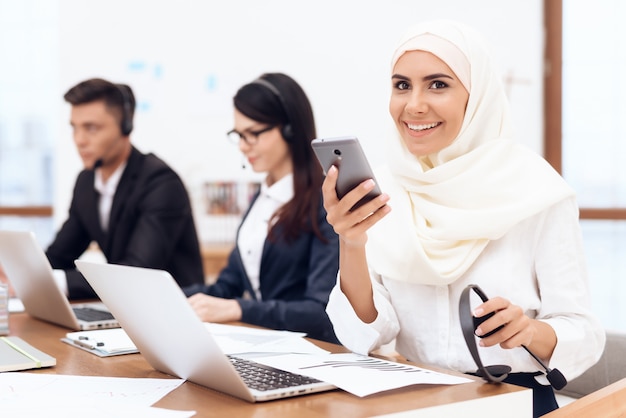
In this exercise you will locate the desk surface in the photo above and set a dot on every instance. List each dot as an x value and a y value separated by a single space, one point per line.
209 403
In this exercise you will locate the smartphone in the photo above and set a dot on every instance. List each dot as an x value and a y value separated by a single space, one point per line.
346 154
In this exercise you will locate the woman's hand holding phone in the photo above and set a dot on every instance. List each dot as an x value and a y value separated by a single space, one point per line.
352 224
352 199
353 203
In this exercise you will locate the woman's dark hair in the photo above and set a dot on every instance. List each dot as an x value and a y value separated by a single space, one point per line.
287 105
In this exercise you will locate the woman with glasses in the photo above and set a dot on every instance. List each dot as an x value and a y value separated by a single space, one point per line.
285 263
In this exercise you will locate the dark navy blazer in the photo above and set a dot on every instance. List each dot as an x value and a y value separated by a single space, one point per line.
295 281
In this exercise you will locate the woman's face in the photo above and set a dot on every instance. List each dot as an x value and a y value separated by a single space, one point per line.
269 152
427 102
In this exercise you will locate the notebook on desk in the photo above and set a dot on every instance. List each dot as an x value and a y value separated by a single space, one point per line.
16 354
27 268
155 314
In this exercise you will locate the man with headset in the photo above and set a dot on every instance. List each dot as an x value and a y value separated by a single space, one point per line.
133 205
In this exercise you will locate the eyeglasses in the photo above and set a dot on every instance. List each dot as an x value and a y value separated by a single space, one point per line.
250 138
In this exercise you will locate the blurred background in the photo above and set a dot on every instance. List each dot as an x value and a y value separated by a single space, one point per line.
561 62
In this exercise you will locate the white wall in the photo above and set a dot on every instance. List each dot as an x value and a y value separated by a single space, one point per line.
186 58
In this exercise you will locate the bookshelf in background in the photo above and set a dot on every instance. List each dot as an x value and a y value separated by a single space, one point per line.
224 203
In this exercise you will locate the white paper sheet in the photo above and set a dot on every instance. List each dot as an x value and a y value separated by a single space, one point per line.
37 410
15 305
235 339
28 391
359 375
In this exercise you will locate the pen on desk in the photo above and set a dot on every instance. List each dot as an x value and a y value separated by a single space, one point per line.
82 342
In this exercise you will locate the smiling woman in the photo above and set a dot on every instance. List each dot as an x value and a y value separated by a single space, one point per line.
427 103
471 207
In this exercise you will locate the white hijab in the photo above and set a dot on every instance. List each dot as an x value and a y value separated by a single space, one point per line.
478 188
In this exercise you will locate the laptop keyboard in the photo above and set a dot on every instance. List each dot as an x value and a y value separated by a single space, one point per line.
260 377
91 314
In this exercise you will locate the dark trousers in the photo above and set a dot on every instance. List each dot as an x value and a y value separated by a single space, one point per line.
544 400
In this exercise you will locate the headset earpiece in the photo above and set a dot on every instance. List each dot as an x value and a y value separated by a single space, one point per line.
286 130
492 374
126 124
496 373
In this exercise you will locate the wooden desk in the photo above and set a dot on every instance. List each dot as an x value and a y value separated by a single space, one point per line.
209 403
608 402
214 259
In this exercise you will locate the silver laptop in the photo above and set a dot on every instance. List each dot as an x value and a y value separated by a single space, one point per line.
157 317
27 268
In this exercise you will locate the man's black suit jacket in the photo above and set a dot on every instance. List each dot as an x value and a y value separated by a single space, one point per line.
151 225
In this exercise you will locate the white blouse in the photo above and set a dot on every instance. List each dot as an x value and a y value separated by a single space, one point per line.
255 227
538 265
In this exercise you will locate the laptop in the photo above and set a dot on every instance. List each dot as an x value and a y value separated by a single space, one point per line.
157 317
29 271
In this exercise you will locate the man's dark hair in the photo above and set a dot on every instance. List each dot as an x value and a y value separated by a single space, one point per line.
118 98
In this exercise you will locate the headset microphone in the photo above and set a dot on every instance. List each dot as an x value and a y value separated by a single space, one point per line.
555 377
100 161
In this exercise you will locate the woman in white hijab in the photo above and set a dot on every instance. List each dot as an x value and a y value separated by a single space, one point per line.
463 204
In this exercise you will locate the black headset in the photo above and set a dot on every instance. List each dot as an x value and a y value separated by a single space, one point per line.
126 124
495 373
286 130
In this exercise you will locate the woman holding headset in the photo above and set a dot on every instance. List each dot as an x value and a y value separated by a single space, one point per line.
463 204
